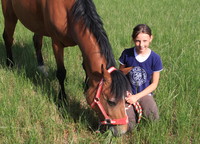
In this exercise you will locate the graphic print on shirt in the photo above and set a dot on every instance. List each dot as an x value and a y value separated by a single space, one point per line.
137 76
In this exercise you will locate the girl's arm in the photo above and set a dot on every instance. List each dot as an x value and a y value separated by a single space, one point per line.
133 98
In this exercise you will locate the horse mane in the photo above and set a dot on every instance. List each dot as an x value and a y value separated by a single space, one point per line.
85 10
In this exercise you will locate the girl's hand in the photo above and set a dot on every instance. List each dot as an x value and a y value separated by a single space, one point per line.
131 99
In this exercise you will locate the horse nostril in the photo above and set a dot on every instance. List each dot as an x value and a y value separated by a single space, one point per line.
114 132
117 131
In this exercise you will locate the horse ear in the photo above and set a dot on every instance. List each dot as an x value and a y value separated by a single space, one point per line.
104 72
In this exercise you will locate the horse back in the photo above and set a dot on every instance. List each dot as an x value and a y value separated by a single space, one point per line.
45 17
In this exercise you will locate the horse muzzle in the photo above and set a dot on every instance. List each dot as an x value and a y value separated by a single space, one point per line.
117 130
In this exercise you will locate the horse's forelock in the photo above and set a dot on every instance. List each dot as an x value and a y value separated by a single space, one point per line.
120 84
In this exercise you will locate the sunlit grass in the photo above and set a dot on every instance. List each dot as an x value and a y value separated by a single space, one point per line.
28 107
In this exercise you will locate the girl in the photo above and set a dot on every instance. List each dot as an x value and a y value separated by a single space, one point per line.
142 67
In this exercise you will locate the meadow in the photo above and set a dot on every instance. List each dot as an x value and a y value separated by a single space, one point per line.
29 111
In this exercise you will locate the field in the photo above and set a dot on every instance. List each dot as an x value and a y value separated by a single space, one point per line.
29 111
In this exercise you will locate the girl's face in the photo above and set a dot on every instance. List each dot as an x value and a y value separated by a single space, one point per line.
142 42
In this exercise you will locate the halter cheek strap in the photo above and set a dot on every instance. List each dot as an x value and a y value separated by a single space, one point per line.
108 120
138 109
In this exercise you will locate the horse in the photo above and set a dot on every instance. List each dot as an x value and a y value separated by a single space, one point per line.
70 23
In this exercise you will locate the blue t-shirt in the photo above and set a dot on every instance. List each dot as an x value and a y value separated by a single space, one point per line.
140 76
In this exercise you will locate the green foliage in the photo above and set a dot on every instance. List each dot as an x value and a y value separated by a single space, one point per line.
28 106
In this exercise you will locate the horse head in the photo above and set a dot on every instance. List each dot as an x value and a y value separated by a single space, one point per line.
107 100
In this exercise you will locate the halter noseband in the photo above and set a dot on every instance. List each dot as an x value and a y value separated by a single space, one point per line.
108 120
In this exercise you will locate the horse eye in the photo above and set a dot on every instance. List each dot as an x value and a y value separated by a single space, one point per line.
112 103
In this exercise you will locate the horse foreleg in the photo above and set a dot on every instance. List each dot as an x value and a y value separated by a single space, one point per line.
10 24
61 71
37 40
86 77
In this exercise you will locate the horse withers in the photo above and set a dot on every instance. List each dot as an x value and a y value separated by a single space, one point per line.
70 23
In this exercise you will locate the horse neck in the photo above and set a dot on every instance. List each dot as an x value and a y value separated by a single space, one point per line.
92 57
92 61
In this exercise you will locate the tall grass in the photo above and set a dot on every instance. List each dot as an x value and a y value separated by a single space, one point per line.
28 108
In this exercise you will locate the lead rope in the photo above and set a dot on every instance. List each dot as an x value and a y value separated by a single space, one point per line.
138 109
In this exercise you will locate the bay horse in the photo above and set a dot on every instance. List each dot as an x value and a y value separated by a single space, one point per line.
70 23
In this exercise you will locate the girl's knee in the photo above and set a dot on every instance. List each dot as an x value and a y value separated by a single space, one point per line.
150 109
151 115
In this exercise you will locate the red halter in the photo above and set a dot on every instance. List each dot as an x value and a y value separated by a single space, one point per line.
108 120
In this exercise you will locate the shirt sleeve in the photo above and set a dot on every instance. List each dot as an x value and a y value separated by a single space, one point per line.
122 58
157 64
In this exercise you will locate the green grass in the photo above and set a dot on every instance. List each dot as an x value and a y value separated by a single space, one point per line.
28 109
